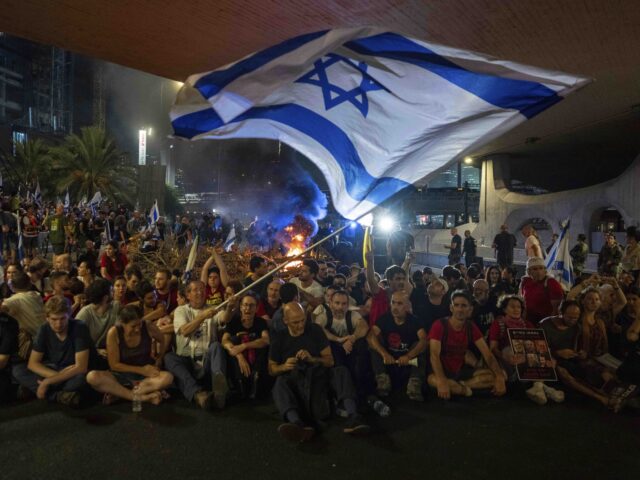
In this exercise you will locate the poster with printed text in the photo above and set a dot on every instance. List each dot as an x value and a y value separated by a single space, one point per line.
531 351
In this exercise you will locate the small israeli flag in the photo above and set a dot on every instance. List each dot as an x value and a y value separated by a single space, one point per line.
231 239
558 262
37 196
191 261
67 202
95 203
374 110
154 213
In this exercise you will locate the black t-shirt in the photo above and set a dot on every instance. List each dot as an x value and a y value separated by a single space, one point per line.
398 339
505 242
435 312
62 353
559 339
240 334
457 245
8 336
284 346
483 315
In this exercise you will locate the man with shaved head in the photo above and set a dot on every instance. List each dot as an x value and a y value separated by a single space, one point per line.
300 359
397 339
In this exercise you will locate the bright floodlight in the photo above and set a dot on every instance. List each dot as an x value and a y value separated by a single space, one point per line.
386 224
468 160
353 224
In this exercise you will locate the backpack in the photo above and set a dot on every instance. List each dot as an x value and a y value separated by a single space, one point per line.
329 325
445 334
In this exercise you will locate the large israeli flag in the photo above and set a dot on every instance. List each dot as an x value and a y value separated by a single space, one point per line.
374 110
559 262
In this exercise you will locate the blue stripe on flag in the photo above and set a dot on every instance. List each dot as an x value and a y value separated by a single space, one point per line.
529 98
360 184
211 84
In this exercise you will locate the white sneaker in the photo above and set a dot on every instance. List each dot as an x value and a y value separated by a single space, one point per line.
536 393
552 393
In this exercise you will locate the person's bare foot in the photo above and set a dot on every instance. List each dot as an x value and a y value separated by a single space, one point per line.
154 398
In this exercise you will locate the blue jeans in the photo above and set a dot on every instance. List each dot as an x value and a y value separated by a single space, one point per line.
184 368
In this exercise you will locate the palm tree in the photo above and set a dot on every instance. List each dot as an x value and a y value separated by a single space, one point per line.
32 161
90 162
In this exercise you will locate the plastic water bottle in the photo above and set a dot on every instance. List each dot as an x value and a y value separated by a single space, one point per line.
380 407
136 404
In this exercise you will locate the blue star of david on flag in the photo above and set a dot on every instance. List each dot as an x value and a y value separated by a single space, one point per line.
333 94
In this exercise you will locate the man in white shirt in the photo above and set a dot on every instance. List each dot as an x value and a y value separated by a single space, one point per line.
311 291
199 360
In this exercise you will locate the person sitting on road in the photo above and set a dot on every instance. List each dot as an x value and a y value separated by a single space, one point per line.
397 339
449 340
132 369
300 359
246 340
58 364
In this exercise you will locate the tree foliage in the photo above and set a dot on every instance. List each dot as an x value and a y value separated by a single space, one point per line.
90 162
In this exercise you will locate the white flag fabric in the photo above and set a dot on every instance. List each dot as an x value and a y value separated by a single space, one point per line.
558 262
191 261
374 110
67 202
231 239
154 213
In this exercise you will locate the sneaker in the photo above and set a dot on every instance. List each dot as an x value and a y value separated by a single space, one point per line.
383 384
296 432
552 393
356 426
414 389
536 394
69 399
203 399
220 389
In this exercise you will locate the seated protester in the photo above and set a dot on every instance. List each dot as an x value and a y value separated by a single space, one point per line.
418 296
60 357
268 306
198 363
437 303
62 263
562 333
542 293
246 340
510 310
112 262
120 291
26 306
215 278
323 277
629 371
60 284
347 332
340 283
133 276
258 268
38 271
152 309
454 280
164 291
86 273
224 315
131 364
324 306
492 276
507 284
449 340
288 294
396 278
484 306
473 273
89 255
397 338
612 302
76 290
100 313
310 290
6 289
8 354
300 359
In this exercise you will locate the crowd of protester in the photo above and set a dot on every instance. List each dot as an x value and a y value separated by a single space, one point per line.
322 337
